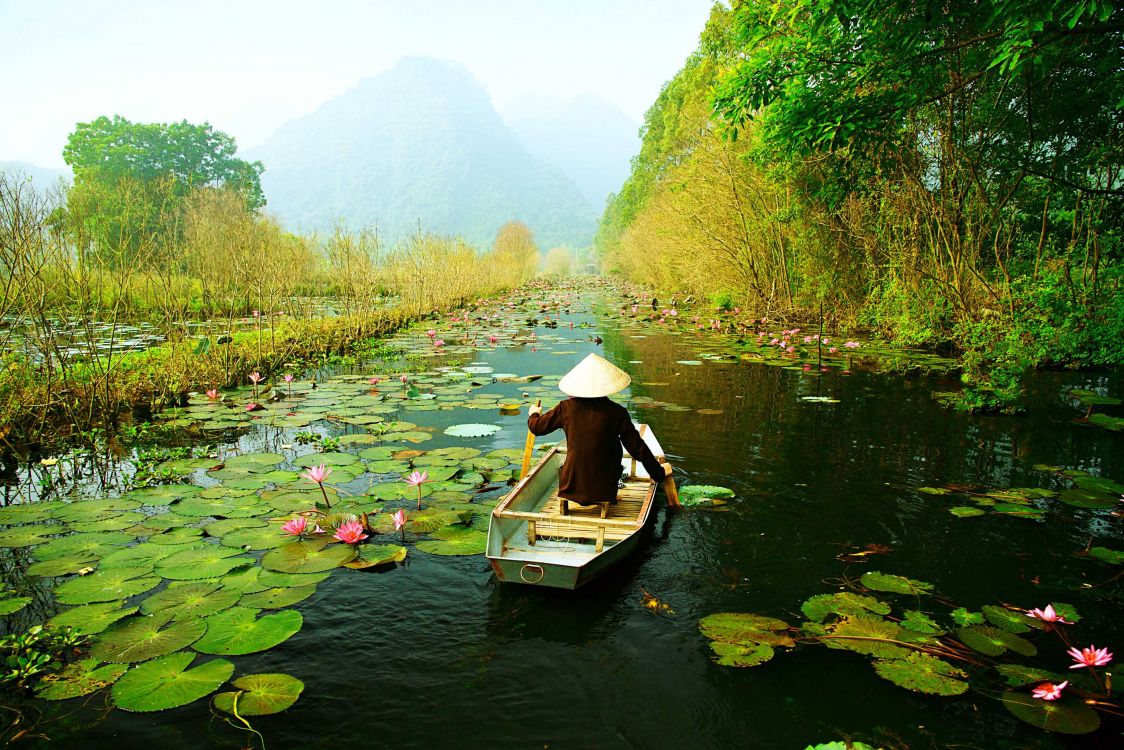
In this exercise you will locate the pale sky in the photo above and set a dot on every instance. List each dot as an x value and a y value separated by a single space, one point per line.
247 66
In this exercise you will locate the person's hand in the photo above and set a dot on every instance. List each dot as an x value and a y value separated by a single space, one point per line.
666 468
536 409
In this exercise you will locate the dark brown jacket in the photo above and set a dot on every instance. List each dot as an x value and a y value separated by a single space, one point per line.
595 429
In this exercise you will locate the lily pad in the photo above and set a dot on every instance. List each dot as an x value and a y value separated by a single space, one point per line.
307 557
962 616
375 555
28 536
166 682
922 673
919 622
92 618
191 600
260 694
1018 675
276 598
327 459
866 635
106 585
456 540
878 581
703 494
254 462
741 655
472 430
993 641
1067 716
818 607
203 561
1009 620
966 511
141 555
146 637
239 630
78 679
1104 554
745 629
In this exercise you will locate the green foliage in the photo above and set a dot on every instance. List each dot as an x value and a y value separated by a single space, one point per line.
34 653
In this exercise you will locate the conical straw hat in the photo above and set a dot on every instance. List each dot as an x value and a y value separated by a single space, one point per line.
594 377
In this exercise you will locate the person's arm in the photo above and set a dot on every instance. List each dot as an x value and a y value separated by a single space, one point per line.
639 450
542 424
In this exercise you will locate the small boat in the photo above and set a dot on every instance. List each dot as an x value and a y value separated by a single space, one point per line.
531 541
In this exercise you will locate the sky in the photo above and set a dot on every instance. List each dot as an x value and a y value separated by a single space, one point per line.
247 66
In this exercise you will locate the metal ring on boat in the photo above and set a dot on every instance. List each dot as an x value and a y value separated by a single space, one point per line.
532 567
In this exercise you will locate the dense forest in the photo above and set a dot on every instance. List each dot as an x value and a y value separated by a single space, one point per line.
941 173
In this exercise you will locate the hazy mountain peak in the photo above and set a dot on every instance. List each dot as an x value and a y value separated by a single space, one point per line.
420 141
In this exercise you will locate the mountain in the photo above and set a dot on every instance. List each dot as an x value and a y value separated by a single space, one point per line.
420 142
43 178
589 139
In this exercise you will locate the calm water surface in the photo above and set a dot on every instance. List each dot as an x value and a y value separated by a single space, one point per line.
438 654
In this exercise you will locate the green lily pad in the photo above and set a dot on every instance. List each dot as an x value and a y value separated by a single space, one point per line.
92 618
1104 554
741 655
60 566
1009 620
227 525
78 679
106 585
273 579
313 556
243 580
92 545
456 540
260 694
866 635
276 598
935 490
922 673
963 617
745 629
966 511
1066 716
471 430
167 683
1079 497
202 561
818 607
146 637
28 536
894 584
919 622
993 641
13 604
141 555
1116 424
257 538
191 600
254 462
327 459
375 555
1018 675
239 630
703 494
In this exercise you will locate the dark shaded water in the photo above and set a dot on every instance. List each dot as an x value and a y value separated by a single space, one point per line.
437 654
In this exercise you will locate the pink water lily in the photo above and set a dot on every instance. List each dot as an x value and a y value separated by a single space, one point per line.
431 333
375 380
493 339
318 474
1047 615
213 394
439 342
252 406
288 378
404 379
1048 691
851 345
417 479
296 526
1090 657
255 377
350 532
399 519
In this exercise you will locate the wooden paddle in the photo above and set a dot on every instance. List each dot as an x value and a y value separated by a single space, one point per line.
528 449
671 491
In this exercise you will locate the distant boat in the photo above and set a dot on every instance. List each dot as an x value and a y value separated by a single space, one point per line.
531 542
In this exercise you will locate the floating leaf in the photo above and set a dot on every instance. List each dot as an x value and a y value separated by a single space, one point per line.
261 694
92 618
167 683
745 629
276 598
27 536
935 490
472 430
866 635
894 584
106 585
993 641
1009 620
699 494
1104 554
1018 675
840 745
374 555
240 631
274 579
962 616
919 622
254 462
13 604
1066 611
739 655
966 511
327 459
78 679
266 537
818 607
146 637
456 540
191 600
1079 497
922 673
1067 716
204 561
311 556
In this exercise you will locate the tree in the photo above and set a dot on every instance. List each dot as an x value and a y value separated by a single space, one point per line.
514 252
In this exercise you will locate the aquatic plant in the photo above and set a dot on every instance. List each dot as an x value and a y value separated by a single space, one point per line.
350 532
417 479
318 474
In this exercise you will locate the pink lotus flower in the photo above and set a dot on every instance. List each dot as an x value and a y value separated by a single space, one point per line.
252 406
375 380
439 342
832 350
288 378
255 377
417 479
493 339
399 519
1047 615
673 312
1090 657
1048 691
296 526
431 333
257 313
317 474
404 379
213 394
350 532
852 345
790 349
